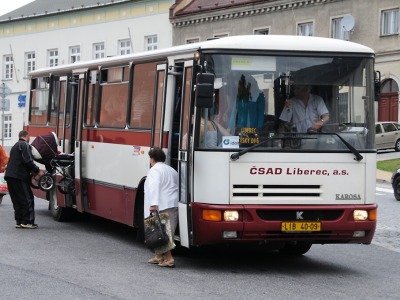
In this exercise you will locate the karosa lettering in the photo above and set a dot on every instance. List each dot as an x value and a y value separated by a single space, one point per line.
288 171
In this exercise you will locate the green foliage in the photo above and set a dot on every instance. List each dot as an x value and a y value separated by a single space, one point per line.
389 165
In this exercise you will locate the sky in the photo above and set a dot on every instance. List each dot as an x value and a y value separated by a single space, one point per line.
9 5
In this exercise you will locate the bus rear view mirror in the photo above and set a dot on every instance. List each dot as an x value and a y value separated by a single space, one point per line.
204 90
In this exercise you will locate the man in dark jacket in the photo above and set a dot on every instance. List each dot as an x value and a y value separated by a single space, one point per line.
18 175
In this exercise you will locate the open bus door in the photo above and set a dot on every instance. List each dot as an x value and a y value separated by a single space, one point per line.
184 157
77 145
66 125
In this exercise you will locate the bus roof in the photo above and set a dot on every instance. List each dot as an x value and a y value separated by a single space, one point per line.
240 42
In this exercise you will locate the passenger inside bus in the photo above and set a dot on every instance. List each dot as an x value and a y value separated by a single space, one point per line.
305 111
249 108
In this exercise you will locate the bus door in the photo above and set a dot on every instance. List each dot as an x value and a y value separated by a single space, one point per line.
157 134
184 155
78 125
66 124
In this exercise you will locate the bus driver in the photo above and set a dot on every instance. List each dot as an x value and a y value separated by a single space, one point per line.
305 110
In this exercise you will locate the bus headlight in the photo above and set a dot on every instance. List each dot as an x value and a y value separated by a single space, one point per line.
231 215
360 215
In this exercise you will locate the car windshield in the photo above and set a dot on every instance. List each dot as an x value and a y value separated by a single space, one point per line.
296 102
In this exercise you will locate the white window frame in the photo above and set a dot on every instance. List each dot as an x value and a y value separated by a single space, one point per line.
74 54
30 62
192 40
99 50
305 28
124 47
52 57
151 42
389 21
262 31
7 130
8 64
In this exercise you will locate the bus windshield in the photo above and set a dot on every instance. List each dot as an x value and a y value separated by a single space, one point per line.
293 102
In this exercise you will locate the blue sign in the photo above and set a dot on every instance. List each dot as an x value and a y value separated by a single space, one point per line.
21 100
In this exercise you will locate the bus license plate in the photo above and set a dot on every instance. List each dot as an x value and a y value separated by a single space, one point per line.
301 226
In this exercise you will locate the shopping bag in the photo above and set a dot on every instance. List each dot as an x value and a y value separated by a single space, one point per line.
155 232
3 184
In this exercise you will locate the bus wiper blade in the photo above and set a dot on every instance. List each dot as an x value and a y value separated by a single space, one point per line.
358 156
236 155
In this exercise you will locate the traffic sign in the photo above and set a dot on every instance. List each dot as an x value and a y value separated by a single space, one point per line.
4 90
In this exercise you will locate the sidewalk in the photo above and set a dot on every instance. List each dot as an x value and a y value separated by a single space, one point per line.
383 176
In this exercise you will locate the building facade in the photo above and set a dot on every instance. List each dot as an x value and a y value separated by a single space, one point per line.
48 33
374 23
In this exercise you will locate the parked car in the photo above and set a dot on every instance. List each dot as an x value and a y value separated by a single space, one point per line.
396 184
387 135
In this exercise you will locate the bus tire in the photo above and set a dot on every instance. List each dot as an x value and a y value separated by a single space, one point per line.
60 214
297 248
139 216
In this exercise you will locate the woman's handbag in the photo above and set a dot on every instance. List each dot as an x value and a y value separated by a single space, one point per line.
155 232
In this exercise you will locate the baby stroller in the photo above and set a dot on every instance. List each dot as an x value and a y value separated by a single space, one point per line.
61 165
44 150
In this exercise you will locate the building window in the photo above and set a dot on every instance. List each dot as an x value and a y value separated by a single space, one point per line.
192 40
30 62
337 29
220 35
8 67
261 31
305 29
151 42
390 22
7 126
74 54
124 47
52 57
99 50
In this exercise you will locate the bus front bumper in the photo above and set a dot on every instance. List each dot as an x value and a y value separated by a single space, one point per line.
318 224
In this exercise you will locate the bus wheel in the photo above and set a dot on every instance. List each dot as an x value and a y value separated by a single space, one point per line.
297 248
60 214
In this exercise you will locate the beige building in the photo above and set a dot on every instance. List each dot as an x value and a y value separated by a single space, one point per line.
46 33
374 23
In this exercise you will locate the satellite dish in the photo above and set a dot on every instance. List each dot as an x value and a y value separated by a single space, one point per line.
347 23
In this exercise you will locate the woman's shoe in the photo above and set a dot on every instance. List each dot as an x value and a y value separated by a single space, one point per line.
167 263
155 260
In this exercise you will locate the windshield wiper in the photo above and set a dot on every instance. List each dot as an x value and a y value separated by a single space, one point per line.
358 156
236 155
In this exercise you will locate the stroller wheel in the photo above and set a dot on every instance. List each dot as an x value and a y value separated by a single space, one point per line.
46 182
66 186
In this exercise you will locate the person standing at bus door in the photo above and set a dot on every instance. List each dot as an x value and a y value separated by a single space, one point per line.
305 110
161 193
18 174
3 164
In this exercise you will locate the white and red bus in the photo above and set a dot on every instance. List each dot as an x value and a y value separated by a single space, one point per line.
215 107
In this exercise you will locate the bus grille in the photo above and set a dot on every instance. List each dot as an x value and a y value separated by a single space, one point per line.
309 215
274 192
